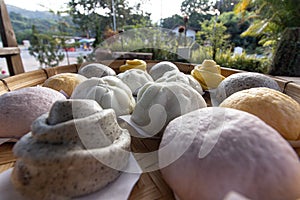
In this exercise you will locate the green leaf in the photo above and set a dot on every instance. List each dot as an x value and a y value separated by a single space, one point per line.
256 29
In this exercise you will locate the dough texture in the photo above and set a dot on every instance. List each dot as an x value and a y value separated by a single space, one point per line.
75 150
210 152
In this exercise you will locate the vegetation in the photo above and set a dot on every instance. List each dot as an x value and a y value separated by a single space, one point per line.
270 18
214 33
243 62
226 59
286 60
45 48
22 25
85 14
157 41
275 22
256 25
235 25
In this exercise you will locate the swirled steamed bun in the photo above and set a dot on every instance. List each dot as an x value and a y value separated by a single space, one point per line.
135 78
208 74
21 107
96 70
275 108
159 103
133 64
210 152
160 68
75 149
241 81
109 92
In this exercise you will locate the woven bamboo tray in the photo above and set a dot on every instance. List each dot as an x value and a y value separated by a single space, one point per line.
150 185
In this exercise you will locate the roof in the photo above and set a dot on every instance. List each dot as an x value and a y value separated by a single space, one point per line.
188 27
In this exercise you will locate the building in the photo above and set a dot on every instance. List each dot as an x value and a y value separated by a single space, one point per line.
190 33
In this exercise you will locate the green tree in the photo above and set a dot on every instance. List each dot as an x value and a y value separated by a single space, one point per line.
201 10
270 18
137 18
214 35
225 5
198 11
45 48
276 22
235 26
197 6
171 22
86 15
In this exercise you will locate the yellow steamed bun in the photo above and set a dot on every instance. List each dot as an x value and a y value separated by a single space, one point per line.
64 82
208 74
275 108
133 64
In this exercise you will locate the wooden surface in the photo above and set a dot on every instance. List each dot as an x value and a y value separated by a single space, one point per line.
151 184
9 51
14 61
3 88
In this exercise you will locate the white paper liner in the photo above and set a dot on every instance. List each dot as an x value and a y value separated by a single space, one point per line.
212 93
232 195
120 189
137 129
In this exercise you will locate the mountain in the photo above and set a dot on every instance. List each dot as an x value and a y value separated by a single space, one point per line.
23 20
31 14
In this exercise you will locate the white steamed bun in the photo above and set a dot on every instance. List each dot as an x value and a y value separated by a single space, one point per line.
109 92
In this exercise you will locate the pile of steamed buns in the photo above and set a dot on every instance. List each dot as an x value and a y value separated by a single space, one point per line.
237 148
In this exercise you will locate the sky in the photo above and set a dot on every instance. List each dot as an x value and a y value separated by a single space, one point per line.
158 8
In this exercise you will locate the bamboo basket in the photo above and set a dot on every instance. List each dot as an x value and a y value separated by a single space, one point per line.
151 184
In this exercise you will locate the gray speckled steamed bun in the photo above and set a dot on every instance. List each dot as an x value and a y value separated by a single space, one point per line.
207 153
160 68
241 81
96 70
21 107
76 149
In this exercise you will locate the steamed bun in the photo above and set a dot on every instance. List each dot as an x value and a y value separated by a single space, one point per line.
208 74
133 64
109 92
96 70
21 107
159 103
210 152
135 78
160 68
75 149
64 82
175 76
275 108
241 81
